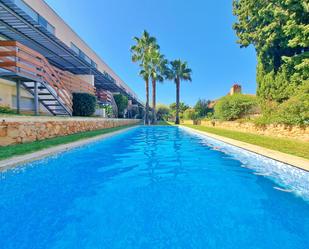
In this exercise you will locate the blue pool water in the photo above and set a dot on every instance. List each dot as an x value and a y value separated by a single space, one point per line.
153 188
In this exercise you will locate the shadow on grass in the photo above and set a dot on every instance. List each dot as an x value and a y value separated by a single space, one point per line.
162 122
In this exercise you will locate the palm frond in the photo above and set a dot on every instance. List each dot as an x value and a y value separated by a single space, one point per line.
179 69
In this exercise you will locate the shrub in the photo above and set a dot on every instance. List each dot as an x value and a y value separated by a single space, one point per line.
83 104
294 111
235 106
190 114
209 116
108 110
122 104
163 112
201 107
6 110
182 108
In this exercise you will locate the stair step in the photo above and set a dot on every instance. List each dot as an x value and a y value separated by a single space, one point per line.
39 87
52 104
61 113
56 110
48 100
46 94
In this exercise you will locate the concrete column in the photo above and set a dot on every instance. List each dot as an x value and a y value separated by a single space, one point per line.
36 99
18 96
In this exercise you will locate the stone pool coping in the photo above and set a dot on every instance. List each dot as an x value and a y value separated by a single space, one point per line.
19 160
294 161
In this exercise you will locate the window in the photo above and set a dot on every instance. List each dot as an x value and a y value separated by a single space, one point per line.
42 21
94 64
74 48
82 54
87 59
34 15
27 9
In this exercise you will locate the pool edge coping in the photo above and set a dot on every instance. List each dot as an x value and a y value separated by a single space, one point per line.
294 161
22 159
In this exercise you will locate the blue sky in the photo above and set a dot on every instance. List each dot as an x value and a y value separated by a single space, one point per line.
198 31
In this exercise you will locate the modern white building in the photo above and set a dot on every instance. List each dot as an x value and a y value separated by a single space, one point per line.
43 61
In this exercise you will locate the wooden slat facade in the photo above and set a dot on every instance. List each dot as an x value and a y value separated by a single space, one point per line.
19 59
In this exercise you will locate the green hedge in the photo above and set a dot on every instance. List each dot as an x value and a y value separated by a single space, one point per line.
235 106
83 104
122 104
294 111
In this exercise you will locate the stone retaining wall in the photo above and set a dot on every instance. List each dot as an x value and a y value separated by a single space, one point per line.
22 130
284 131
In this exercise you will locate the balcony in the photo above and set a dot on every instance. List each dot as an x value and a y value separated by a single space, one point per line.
51 86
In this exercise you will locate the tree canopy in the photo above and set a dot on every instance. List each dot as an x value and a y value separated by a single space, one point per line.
163 112
279 31
122 103
201 107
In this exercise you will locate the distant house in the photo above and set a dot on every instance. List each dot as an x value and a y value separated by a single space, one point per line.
236 88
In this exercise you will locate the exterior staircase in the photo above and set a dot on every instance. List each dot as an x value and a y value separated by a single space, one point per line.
48 98
32 70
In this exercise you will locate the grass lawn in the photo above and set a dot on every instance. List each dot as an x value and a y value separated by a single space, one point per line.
22 149
289 146
161 122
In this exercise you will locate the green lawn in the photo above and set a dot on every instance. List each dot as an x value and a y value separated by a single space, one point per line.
289 146
162 122
22 149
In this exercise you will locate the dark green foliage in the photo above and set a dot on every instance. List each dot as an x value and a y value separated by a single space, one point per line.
141 53
122 104
294 111
163 112
201 107
83 104
235 106
279 32
182 108
178 71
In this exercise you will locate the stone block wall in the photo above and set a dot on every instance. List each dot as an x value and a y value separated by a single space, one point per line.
283 131
23 130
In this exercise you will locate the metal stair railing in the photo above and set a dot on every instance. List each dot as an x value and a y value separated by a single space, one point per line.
31 66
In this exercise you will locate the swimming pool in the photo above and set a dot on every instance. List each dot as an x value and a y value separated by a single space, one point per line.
155 187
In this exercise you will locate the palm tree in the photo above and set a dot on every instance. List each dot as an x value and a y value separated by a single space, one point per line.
140 53
178 71
158 65
145 74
